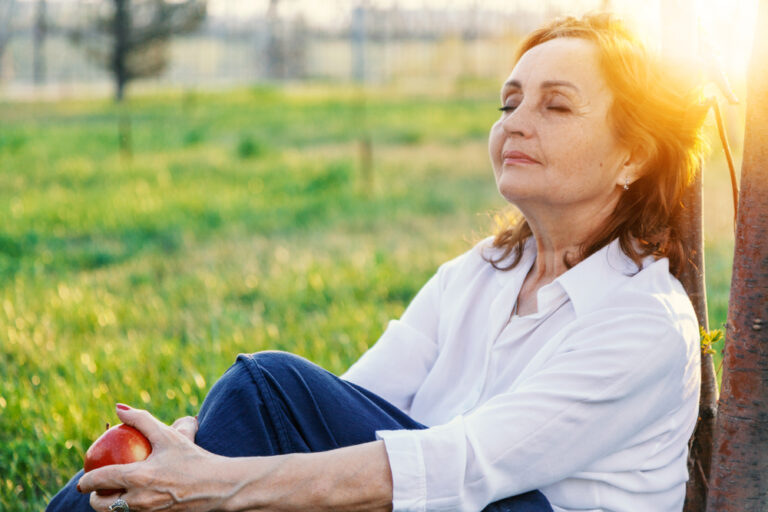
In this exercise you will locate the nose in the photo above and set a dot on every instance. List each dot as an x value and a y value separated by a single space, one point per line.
519 121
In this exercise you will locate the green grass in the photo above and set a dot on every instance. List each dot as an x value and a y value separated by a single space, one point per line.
241 222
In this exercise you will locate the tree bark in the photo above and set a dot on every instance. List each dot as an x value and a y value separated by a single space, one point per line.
739 481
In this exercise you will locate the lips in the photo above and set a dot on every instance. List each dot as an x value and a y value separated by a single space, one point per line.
518 158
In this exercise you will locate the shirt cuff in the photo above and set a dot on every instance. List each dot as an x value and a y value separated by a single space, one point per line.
406 460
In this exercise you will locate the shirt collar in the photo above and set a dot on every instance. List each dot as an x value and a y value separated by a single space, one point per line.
587 282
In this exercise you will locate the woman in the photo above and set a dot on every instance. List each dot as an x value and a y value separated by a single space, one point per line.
556 363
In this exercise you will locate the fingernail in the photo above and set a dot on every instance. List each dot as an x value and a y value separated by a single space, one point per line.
123 407
78 488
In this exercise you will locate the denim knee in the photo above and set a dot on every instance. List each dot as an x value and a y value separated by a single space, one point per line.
275 361
239 381
234 379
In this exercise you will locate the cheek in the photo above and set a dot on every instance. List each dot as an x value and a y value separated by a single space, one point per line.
495 141
583 168
580 151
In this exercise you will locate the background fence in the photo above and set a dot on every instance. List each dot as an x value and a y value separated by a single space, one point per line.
415 43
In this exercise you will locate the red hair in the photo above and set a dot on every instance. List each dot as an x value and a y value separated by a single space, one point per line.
652 112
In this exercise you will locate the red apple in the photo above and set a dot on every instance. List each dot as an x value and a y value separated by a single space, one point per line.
121 444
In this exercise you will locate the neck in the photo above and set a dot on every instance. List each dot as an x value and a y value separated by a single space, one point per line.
560 233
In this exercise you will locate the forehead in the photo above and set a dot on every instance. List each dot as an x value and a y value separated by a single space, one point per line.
563 59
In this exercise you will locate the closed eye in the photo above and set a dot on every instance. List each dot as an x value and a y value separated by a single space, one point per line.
557 108
508 108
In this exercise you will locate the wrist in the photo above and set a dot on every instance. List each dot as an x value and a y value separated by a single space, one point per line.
227 473
251 483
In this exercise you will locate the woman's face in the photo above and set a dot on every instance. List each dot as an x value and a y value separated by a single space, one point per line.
553 145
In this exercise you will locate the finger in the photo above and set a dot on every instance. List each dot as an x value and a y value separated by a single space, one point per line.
103 502
108 477
187 426
142 421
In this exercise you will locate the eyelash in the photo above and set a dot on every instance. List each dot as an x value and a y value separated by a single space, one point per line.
510 108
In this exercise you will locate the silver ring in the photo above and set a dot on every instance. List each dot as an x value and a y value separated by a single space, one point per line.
120 505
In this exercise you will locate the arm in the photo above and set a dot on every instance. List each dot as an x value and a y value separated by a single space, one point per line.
409 345
347 479
412 344
180 476
607 384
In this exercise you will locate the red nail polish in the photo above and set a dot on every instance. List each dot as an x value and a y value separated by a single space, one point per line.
78 488
123 407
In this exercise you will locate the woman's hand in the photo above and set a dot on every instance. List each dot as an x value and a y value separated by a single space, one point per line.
178 475
187 426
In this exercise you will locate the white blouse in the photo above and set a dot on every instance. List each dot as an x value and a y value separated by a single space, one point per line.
591 400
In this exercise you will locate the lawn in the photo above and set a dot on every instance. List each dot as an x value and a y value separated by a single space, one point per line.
240 221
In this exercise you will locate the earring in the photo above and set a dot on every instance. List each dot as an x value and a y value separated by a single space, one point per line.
626 184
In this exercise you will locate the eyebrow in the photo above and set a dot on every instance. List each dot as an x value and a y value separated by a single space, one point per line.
544 85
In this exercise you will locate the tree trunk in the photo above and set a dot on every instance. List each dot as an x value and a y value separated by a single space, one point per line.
120 82
122 30
125 132
6 27
358 42
700 446
739 481
40 33
680 44
275 43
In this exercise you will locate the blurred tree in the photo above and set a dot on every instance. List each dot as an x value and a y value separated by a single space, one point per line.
6 26
285 45
275 58
130 38
359 38
40 33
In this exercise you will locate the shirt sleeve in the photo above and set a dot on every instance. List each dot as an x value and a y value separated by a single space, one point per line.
604 385
398 363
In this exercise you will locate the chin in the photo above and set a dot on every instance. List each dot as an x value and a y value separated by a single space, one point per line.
514 190
516 200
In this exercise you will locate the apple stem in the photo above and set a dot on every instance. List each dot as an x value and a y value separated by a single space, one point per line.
107 427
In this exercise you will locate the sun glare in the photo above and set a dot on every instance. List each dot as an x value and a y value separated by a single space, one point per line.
730 26
709 36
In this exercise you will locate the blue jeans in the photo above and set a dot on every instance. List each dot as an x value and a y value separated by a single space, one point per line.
272 403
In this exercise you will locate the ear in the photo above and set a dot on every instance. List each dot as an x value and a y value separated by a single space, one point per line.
633 167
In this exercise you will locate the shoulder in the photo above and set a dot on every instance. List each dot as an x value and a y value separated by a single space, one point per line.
618 304
469 261
472 264
652 314
654 291
609 284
